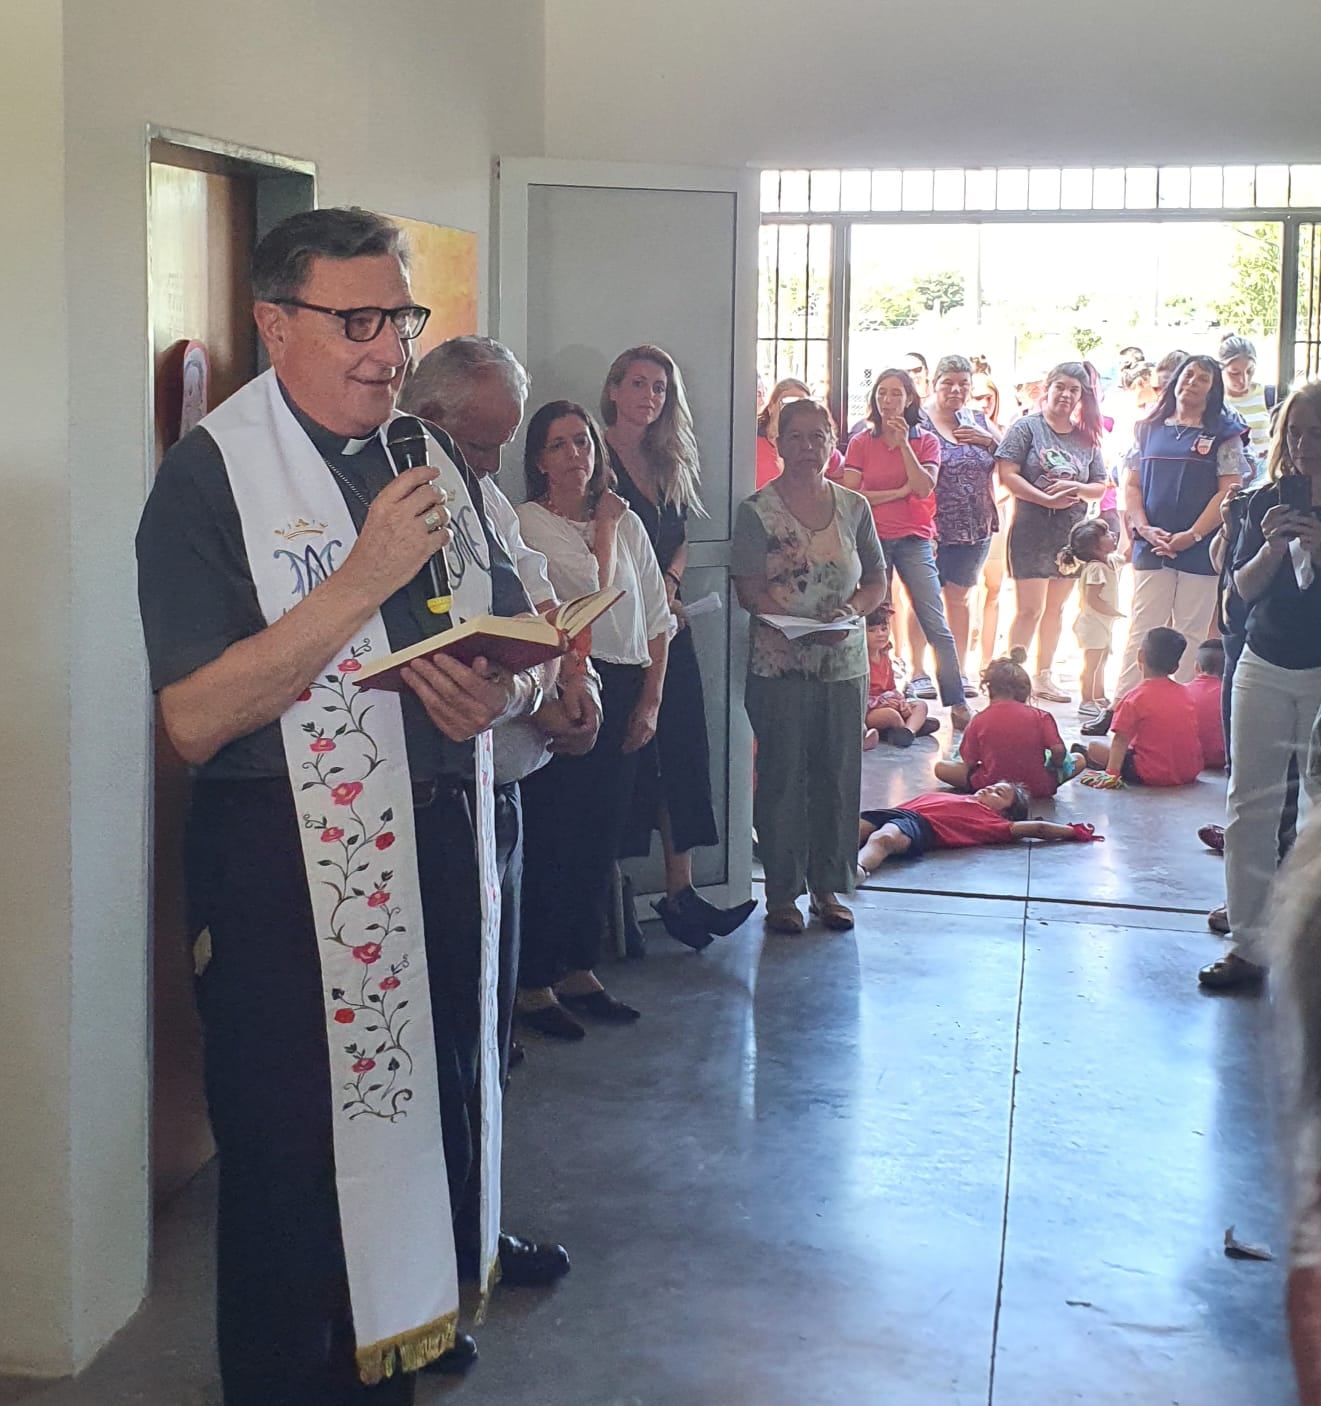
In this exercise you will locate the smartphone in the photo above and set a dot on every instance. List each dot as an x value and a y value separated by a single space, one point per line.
913 416
966 418
1296 492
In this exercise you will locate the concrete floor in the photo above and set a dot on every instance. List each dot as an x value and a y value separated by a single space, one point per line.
982 1150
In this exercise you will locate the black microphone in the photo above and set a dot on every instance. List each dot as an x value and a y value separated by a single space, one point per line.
406 441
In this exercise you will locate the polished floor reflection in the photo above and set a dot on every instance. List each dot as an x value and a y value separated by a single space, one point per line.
982 1150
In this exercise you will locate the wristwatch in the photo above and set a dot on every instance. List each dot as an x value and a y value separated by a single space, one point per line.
1197 536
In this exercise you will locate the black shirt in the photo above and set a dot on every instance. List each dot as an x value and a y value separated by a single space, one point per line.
1284 624
666 524
197 598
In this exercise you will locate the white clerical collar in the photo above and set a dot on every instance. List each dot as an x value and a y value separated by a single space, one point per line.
356 446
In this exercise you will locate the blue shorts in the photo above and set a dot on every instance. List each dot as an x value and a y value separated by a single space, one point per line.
916 827
960 563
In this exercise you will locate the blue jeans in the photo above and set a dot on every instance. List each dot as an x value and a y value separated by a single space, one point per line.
915 561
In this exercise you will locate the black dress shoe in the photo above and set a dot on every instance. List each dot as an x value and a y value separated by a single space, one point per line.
680 928
525 1264
600 1004
718 921
457 1360
554 1021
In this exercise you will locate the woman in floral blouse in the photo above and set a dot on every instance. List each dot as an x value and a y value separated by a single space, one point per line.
966 515
806 547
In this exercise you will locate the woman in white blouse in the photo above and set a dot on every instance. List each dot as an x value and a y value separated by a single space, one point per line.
575 809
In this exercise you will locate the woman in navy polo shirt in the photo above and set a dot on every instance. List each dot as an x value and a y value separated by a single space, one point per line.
1187 454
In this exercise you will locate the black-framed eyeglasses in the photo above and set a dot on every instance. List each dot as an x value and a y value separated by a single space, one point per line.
364 324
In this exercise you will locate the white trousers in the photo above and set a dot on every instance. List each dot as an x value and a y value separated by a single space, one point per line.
1182 601
1271 720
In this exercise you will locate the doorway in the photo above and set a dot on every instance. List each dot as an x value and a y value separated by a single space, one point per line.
208 204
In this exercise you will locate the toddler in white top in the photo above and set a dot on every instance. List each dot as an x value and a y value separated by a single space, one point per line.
1092 556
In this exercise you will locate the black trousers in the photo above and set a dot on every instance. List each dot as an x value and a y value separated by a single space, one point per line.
509 850
674 769
283 1316
574 813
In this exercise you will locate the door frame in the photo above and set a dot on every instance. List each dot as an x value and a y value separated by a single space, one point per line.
509 316
284 185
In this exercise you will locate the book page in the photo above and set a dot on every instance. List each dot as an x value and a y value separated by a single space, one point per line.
794 627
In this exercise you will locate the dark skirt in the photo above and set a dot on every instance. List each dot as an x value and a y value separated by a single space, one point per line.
674 769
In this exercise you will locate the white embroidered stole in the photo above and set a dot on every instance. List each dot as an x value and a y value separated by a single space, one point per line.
348 767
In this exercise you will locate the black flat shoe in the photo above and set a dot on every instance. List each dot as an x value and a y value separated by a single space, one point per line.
457 1360
525 1264
931 725
681 927
599 1004
898 736
554 1021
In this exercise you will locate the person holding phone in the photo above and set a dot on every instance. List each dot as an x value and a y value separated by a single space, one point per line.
895 463
1186 455
1051 462
1277 574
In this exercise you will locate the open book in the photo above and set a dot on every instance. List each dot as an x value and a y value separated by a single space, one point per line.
516 641
794 627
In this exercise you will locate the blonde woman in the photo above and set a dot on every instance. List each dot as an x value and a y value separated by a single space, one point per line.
653 452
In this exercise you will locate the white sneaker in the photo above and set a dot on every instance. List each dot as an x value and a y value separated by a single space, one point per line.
971 688
1048 690
1089 711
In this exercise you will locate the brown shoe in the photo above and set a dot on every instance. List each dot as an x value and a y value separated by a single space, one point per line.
1231 973
1218 921
785 918
1213 837
832 913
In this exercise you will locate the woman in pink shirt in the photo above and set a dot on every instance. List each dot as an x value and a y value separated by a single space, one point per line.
894 463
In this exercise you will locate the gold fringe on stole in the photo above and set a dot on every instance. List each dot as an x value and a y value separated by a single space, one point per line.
492 1279
407 1352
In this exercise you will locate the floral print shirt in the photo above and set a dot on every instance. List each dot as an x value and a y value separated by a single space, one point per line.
811 574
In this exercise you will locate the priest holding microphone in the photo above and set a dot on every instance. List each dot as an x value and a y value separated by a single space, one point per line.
342 848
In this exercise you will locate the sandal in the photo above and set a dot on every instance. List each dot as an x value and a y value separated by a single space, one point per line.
832 913
785 918
1231 973
1218 921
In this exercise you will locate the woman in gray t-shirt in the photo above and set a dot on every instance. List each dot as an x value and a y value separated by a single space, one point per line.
1051 462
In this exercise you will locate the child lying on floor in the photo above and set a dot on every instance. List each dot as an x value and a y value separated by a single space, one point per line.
995 815
1155 740
890 716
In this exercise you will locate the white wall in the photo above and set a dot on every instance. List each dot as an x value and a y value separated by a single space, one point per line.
403 106
890 82
35 1228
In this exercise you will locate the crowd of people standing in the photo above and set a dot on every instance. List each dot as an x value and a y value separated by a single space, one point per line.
347 861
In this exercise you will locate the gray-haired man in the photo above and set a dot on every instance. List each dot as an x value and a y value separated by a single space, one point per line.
475 390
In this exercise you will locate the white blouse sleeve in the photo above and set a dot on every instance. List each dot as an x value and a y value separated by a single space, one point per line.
655 603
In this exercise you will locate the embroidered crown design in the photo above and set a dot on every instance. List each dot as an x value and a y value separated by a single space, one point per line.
301 528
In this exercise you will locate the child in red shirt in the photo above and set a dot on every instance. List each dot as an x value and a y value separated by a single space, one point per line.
890 716
1204 690
1155 741
995 815
1009 740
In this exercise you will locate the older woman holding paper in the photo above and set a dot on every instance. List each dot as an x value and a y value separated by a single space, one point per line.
806 553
